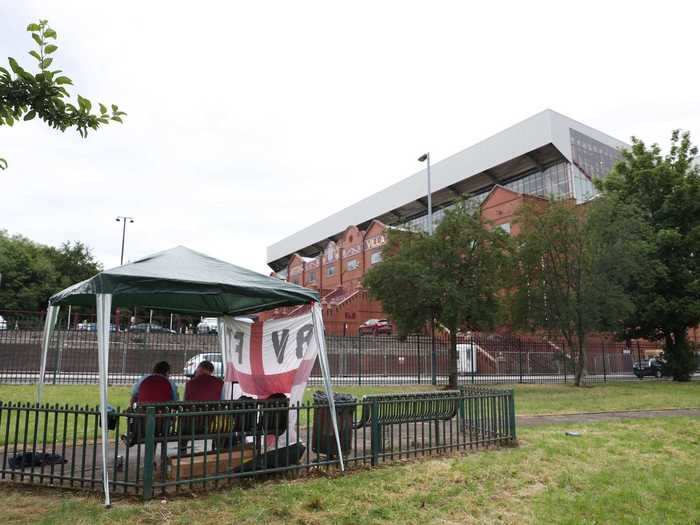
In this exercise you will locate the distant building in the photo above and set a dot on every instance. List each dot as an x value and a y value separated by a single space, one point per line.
546 155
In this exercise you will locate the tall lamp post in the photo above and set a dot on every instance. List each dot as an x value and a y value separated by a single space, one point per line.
426 158
123 220
117 313
433 353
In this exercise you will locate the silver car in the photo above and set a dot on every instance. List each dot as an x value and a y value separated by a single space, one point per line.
215 358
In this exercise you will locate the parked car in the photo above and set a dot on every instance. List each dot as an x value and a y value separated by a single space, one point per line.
3 323
375 327
153 328
208 325
215 358
86 326
655 367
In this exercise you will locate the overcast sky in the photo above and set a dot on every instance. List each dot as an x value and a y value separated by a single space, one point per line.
248 121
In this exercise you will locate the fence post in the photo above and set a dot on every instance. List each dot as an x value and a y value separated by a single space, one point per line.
605 376
433 354
511 414
57 368
375 432
520 360
359 358
149 452
123 358
563 355
639 358
419 362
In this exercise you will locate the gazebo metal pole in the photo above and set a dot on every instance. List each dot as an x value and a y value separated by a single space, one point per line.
104 308
49 323
325 370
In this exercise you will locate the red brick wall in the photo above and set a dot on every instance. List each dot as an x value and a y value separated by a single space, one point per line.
331 257
375 239
351 258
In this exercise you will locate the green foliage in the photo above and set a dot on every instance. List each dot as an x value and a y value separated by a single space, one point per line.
24 96
666 190
451 277
572 267
32 272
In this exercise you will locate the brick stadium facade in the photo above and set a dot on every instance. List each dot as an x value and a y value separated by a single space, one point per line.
546 155
337 272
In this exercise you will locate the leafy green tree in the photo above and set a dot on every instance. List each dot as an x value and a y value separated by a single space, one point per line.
571 266
31 272
25 96
666 190
451 278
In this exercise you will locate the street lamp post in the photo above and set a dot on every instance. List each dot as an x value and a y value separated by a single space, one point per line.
426 158
123 220
433 353
117 313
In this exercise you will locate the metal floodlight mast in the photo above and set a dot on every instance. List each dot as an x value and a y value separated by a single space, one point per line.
123 220
433 352
423 158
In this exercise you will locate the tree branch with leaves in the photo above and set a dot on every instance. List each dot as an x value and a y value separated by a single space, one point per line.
25 96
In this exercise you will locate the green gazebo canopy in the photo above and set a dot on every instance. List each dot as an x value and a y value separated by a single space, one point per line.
186 281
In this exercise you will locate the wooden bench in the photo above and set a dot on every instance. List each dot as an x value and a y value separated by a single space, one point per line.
184 421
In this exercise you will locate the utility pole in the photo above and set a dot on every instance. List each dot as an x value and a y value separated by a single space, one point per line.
123 220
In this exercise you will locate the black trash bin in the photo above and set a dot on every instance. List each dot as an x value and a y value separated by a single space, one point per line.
111 417
323 438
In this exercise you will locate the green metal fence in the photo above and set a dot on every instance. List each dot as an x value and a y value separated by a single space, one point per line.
173 447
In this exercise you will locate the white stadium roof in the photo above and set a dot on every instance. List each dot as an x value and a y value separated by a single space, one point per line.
539 140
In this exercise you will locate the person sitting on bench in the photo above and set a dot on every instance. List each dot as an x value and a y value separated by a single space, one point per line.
155 387
204 386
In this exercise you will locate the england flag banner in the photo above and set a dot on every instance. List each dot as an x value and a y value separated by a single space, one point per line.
267 358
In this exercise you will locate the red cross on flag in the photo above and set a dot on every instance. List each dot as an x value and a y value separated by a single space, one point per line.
269 357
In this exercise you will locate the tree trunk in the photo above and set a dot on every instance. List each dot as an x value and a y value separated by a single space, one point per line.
679 356
453 359
580 362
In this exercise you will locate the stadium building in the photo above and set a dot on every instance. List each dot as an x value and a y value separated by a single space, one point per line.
548 154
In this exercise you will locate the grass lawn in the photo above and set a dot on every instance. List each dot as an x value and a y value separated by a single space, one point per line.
529 399
617 472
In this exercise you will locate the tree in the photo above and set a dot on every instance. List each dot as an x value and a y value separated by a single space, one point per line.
451 278
43 94
571 266
32 272
666 190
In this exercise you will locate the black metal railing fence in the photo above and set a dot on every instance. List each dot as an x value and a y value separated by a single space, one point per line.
164 449
354 359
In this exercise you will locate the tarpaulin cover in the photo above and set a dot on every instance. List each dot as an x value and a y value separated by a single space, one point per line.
186 281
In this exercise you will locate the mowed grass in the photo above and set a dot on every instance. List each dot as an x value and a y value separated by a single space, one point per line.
648 394
615 472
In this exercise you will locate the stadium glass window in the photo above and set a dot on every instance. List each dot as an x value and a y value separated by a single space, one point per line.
375 257
330 271
352 264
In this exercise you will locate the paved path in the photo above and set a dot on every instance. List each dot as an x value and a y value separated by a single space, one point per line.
593 417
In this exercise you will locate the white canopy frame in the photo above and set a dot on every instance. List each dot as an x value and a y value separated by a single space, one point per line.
103 303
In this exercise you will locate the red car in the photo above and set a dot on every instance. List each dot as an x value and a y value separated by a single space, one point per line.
375 327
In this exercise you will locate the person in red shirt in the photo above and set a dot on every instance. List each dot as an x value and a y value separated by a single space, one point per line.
155 387
204 386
